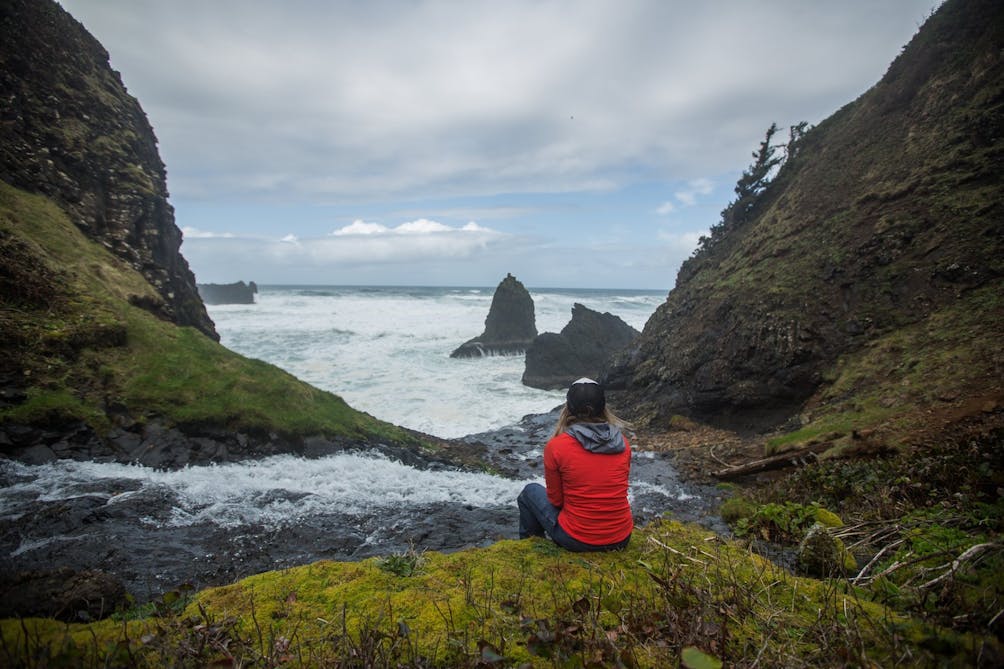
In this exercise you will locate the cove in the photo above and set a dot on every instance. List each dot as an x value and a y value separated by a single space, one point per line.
210 525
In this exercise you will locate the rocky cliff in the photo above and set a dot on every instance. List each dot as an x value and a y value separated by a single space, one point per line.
69 130
584 347
876 250
509 327
93 363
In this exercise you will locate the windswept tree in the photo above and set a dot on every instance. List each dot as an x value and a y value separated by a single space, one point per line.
753 182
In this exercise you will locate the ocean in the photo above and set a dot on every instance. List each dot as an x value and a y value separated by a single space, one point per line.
386 350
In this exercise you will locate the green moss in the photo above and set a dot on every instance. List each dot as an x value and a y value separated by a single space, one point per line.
675 587
827 518
48 407
934 362
784 522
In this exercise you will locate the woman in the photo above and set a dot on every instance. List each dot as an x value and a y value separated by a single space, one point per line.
586 466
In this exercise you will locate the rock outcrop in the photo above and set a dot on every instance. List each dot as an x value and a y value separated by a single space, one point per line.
583 348
64 594
883 216
228 293
510 326
69 130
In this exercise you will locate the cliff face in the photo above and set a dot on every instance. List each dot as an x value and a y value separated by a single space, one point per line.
70 131
889 213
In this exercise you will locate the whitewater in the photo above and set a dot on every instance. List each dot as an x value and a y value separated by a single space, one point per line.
385 351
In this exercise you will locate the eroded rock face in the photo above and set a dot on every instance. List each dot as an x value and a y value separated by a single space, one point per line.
583 348
69 130
510 326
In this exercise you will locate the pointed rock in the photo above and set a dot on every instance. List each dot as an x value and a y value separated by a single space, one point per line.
510 326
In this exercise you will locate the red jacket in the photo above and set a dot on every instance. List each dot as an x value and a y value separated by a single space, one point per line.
589 483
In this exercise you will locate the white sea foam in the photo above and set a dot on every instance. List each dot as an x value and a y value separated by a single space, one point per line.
386 350
276 490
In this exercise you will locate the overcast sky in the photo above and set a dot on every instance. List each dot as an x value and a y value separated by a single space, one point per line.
573 143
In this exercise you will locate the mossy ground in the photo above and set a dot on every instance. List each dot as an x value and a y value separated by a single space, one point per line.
516 602
73 339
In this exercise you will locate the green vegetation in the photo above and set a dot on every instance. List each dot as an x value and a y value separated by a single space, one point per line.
947 364
677 594
79 344
924 523
774 521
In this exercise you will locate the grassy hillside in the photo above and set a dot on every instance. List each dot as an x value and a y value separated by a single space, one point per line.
77 348
676 597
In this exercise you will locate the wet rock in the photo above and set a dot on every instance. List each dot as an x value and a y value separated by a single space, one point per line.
583 348
64 594
510 326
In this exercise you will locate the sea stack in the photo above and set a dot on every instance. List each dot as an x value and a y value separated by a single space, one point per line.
510 326
228 293
583 348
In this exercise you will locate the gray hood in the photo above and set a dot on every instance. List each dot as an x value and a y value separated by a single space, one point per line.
598 437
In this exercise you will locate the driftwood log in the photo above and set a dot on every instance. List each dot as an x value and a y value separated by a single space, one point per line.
791 459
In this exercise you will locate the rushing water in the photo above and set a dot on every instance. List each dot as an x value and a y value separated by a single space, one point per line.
387 352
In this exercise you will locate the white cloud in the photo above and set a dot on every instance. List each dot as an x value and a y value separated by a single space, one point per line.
666 208
421 226
355 245
696 187
359 227
195 233
681 241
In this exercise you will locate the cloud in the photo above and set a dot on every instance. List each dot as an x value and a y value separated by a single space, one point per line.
358 227
688 197
363 101
354 245
195 233
681 241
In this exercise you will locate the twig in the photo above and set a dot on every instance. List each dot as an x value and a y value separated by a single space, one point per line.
712 451
954 565
673 550
871 563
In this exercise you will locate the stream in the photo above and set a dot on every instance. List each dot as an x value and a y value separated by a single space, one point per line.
210 525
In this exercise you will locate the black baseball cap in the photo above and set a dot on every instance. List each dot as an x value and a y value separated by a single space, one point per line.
585 398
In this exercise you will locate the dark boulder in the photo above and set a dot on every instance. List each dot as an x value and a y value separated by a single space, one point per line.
228 293
64 594
583 348
510 326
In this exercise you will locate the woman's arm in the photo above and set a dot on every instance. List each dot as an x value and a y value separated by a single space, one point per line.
552 475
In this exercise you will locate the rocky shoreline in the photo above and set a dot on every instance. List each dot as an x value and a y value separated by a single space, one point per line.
115 532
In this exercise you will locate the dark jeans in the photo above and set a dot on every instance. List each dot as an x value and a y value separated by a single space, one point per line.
538 517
